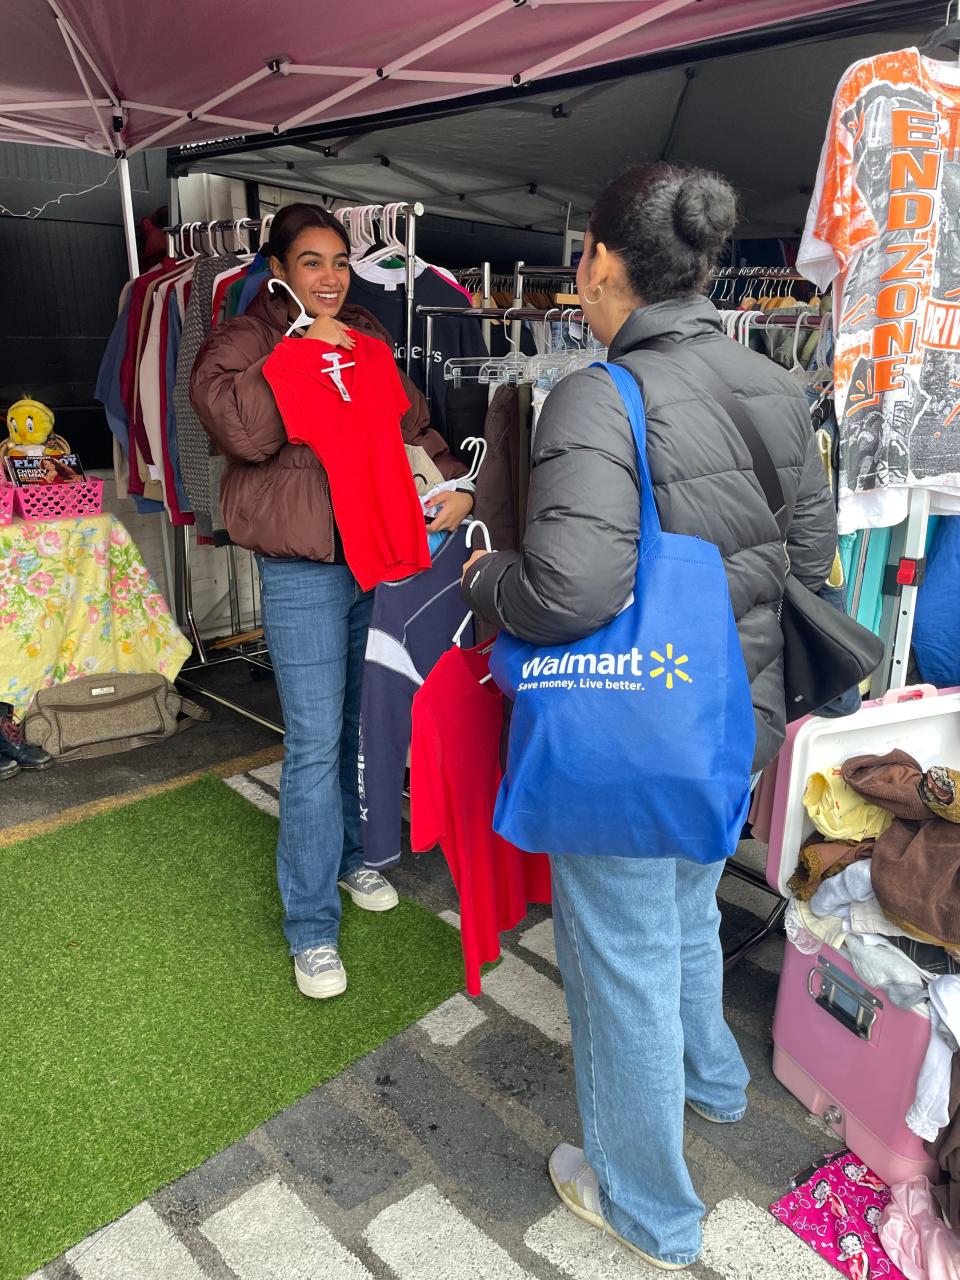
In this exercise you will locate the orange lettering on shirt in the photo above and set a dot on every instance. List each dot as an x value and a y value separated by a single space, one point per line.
903 268
906 168
897 301
908 124
910 211
888 374
953 137
888 338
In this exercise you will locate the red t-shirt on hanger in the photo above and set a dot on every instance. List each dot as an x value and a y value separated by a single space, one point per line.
359 441
454 778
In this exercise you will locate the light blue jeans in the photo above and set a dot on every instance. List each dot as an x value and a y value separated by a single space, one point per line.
639 951
315 619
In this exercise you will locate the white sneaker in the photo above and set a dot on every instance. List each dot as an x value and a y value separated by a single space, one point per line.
369 890
320 973
576 1185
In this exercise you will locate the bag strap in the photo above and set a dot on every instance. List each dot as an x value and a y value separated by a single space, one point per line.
626 384
763 466
194 711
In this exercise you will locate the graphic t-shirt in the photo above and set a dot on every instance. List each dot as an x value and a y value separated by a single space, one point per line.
413 622
351 420
884 222
454 778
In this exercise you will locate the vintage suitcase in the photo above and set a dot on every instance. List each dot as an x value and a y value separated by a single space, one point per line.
841 1047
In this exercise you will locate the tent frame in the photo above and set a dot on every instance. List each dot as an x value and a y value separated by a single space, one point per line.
402 68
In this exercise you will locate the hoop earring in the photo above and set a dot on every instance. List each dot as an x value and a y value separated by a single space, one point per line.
593 301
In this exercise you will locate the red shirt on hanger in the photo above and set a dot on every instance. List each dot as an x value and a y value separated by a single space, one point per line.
454 779
352 423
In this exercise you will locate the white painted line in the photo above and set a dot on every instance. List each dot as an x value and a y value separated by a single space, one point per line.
253 792
539 939
425 1236
270 1234
741 1241
451 917
581 1251
137 1246
527 994
270 774
451 1021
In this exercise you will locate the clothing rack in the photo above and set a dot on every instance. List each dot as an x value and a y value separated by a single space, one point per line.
522 271
484 277
246 643
488 314
352 216
757 273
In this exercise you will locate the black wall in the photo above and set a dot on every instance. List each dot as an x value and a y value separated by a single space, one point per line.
60 280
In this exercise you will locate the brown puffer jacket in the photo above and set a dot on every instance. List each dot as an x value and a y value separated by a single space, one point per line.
274 495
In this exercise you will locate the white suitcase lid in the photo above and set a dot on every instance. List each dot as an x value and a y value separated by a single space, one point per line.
927 727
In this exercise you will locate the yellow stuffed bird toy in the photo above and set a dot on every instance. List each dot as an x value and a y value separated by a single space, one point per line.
30 425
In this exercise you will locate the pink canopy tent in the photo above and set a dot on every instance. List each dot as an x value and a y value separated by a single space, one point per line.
117 79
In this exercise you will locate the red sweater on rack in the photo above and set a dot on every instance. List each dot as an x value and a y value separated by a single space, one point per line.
359 442
454 778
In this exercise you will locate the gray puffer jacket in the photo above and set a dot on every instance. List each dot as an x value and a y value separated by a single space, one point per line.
579 554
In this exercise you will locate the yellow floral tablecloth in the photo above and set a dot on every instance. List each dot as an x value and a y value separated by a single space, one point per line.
76 599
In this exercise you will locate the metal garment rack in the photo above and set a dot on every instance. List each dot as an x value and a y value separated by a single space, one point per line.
521 272
248 645
487 315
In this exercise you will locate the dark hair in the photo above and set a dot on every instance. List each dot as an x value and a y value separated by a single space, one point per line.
295 218
668 225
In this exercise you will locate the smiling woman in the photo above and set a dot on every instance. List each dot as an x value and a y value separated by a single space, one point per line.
323 518
310 252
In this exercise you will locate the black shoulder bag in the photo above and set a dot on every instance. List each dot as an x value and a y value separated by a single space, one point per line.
825 652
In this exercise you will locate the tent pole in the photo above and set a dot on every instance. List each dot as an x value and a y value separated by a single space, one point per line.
129 226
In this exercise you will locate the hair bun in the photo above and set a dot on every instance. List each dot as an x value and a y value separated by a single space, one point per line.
705 211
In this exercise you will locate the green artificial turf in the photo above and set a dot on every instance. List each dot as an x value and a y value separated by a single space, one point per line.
148 1013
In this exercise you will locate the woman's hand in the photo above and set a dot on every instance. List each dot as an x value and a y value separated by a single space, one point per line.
452 510
477 555
327 329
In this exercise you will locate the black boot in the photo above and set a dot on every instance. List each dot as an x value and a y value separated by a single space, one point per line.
8 768
14 748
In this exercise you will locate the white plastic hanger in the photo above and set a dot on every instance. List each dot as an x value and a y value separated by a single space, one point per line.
303 321
335 362
478 447
474 524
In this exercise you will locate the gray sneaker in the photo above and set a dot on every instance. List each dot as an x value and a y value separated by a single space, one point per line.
320 973
369 890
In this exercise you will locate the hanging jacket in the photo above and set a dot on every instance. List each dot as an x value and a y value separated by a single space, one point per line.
274 495
578 564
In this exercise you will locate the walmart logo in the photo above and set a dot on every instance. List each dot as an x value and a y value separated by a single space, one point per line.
669 666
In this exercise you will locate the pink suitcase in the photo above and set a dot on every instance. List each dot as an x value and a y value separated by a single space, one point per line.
841 1047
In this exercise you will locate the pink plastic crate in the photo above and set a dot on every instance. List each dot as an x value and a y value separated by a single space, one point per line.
54 501
6 503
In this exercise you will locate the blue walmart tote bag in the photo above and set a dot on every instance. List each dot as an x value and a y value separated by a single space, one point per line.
638 741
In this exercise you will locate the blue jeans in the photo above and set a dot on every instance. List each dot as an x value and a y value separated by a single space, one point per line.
315 619
639 951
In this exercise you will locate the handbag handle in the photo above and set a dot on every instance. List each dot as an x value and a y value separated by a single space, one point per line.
626 384
763 467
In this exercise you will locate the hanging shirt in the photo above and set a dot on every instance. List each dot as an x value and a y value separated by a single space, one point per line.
413 623
454 778
385 297
358 439
883 223
118 419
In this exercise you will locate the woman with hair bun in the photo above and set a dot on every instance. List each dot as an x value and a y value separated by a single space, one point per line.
638 939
